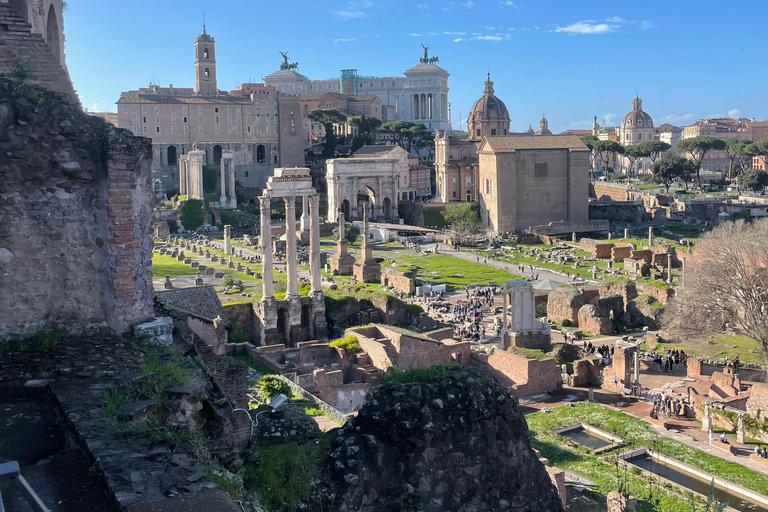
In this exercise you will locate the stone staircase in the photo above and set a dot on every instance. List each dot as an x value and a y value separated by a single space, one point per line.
19 43
372 371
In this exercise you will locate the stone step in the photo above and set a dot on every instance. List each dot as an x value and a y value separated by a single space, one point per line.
193 388
137 412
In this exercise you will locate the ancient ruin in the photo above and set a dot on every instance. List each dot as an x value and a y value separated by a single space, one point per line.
341 261
294 318
367 269
522 329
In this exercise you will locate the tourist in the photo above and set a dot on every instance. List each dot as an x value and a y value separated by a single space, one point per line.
763 454
723 438
678 408
757 450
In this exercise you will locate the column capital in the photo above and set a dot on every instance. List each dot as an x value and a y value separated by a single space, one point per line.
290 201
314 200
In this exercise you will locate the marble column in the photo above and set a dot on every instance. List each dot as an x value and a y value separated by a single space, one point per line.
504 292
342 227
223 181
231 193
305 222
290 248
314 242
267 284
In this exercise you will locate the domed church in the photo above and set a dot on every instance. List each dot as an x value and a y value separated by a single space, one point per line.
488 116
637 126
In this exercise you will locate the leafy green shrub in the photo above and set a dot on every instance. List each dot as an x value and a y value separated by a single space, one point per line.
269 386
210 177
227 281
113 400
348 343
238 337
414 309
192 214
434 373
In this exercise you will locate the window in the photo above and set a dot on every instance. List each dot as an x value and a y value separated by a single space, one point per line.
258 129
246 174
478 132
133 108
247 119
144 129
144 119
185 120
469 180
200 120
267 120
540 170
157 119
186 129
248 129
125 110
640 122
639 136
229 120
133 120
229 129
207 73
493 131
217 129
229 110
157 129
239 129
267 129
216 110
173 129
217 119
237 110
143 109
173 110
200 129
454 181
184 110
247 110
199 110
454 193
205 53
239 119
133 129
173 120
157 109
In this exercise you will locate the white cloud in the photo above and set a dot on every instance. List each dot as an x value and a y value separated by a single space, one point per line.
587 28
345 40
454 33
353 10
413 34
645 25
484 37
733 114
509 3
608 120
95 107
581 125
678 119
615 19
456 5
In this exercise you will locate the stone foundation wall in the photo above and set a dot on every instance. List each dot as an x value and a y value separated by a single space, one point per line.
519 374
75 224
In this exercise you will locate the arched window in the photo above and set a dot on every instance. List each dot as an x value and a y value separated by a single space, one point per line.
639 136
207 73
205 53
52 31
261 154
173 159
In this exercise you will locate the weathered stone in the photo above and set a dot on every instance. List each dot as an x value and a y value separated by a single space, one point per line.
158 332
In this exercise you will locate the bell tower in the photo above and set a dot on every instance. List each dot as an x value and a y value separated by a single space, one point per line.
205 65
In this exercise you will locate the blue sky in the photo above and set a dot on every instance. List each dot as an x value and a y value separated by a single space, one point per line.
570 59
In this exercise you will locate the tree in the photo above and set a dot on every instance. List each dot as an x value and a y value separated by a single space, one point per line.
735 148
697 148
365 124
406 133
654 148
462 219
328 117
670 168
192 214
726 285
606 148
589 141
758 148
632 153
753 179
363 139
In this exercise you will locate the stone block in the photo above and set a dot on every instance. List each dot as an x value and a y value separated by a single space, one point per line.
218 275
210 271
158 332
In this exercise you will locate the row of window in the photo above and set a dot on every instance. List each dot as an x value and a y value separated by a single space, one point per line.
237 129
200 120
199 109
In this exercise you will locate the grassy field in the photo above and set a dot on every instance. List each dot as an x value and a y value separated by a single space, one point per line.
163 265
454 272
566 454
719 346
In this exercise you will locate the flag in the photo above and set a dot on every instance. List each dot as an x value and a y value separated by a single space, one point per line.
312 136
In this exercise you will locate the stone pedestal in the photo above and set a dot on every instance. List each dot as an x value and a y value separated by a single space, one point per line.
367 269
341 261
228 239
318 311
740 436
269 334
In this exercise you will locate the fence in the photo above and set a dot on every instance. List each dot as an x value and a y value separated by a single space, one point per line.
331 412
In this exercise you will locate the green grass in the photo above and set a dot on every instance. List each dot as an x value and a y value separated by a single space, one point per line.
636 433
455 273
348 343
282 473
718 346
164 265
250 362
434 373
518 258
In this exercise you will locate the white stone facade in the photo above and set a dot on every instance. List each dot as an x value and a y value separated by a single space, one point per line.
355 184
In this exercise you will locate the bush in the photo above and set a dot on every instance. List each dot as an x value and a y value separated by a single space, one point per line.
348 343
192 214
238 337
210 177
269 386
434 373
414 309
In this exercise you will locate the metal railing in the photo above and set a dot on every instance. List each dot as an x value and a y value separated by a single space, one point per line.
10 471
329 411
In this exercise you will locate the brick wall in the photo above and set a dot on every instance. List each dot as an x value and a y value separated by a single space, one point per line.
75 230
521 375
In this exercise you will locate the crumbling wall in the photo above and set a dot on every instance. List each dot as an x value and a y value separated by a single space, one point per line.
522 376
75 223
564 303
591 320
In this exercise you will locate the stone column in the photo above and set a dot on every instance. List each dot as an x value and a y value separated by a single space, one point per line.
706 421
195 174
290 247
305 214
267 284
314 242
223 181
636 363
228 239
504 292
650 235
231 193
342 227
183 174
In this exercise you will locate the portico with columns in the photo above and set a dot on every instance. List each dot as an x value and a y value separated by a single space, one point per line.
519 325
293 319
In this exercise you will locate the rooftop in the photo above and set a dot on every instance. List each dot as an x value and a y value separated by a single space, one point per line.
200 301
531 142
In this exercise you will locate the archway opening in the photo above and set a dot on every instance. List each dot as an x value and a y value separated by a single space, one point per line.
386 205
306 320
282 325
173 158
217 155
345 210
261 153
52 32
366 200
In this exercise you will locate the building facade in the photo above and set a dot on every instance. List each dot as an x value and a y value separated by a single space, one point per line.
420 95
455 168
488 116
261 126
526 181
359 184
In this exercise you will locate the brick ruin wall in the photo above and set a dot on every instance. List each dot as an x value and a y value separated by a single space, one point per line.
521 375
75 217
22 47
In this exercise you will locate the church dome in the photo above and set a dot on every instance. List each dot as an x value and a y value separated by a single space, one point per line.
489 107
637 117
